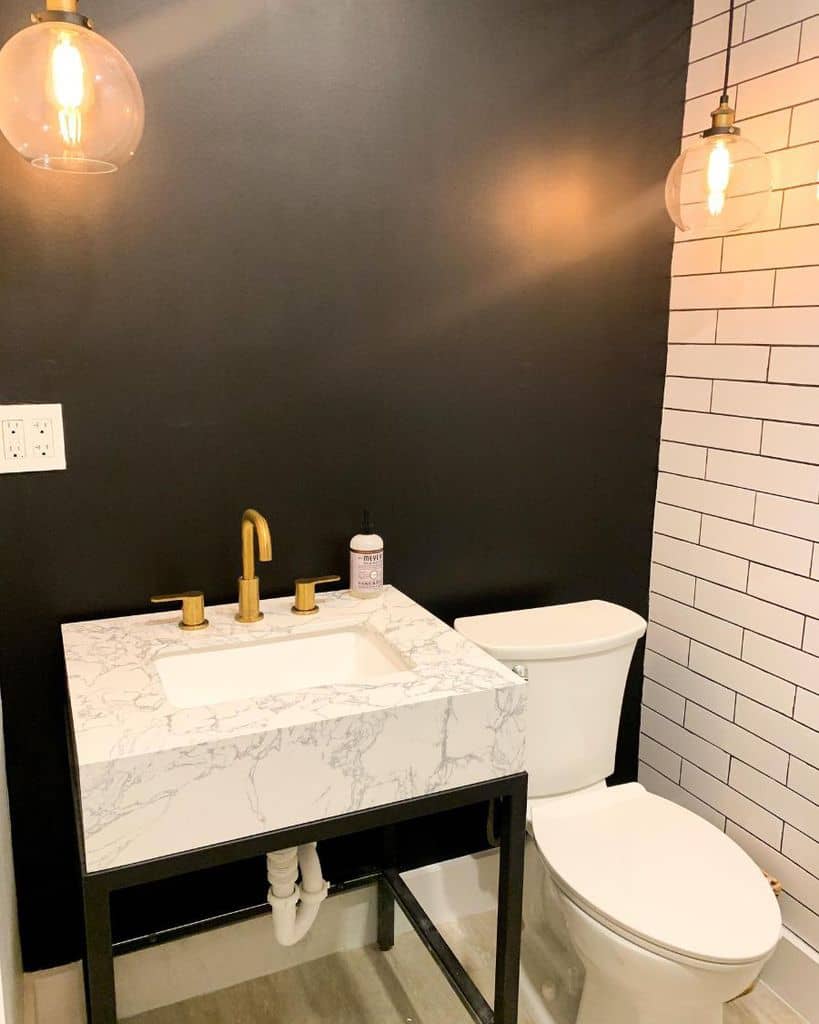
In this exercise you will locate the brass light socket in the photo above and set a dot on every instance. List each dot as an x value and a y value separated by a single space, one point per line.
62 10
722 120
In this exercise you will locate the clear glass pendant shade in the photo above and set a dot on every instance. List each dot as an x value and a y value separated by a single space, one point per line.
719 185
69 100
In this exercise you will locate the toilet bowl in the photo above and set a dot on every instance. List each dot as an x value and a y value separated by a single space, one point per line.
669 917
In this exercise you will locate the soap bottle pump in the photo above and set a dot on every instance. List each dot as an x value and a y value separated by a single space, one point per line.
366 561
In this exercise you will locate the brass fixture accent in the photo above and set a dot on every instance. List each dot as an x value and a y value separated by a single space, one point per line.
774 883
193 607
305 588
62 10
252 522
722 120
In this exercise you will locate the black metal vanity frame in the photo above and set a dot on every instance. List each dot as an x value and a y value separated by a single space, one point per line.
509 792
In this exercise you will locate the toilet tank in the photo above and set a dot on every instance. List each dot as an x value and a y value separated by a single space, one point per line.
576 658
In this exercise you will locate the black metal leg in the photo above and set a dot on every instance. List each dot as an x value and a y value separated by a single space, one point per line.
463 986
510 902
98 966
386 900
386 916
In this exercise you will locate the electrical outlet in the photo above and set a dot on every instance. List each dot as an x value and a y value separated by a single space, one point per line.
32 438
14 440
42 439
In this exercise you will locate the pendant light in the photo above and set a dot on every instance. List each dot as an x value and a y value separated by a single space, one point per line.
69 100
722 183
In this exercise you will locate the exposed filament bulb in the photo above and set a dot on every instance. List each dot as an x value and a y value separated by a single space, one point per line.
719 174
68 83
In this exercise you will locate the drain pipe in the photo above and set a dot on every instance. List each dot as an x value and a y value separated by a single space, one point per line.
295 907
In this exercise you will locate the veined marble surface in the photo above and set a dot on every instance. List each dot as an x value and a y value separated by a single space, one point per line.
156 779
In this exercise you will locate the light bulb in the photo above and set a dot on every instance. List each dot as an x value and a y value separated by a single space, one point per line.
67 80
719 174
69 100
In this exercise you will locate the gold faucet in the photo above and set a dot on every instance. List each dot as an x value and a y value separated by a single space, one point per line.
305 593
193 608
252 522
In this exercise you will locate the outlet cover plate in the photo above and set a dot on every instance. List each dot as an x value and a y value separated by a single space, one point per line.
31 438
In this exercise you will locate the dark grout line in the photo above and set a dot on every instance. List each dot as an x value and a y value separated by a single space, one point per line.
753 78
757 270
737 625
785 718
659 771
722 718
719 682
763 529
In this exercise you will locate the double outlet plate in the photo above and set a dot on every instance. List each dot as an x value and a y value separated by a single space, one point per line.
31 438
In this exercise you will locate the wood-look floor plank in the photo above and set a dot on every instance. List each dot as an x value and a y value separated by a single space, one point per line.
403 986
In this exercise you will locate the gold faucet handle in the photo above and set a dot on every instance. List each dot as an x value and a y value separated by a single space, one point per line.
193 607
305 588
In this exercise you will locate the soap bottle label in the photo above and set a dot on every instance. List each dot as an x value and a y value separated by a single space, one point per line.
366 570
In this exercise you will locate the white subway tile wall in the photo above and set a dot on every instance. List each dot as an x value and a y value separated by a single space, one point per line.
730 725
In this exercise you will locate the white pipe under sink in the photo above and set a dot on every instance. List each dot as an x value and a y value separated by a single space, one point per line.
295 907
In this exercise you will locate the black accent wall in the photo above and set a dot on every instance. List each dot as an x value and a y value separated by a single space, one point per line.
403 253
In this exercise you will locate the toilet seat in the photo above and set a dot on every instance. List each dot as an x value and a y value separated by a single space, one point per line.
657 874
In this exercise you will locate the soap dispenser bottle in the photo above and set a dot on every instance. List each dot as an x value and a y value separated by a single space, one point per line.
366 561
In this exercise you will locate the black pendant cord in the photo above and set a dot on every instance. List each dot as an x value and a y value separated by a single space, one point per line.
724 97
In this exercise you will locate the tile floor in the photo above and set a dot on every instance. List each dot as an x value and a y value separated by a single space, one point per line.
403 986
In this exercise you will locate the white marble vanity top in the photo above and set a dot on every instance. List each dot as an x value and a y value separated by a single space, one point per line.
157 779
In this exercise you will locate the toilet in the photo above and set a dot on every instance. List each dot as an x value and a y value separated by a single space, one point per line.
669 917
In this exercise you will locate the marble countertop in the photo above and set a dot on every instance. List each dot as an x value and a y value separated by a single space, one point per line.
157 779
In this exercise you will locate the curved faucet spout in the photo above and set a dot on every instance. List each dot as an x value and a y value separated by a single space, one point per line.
254 522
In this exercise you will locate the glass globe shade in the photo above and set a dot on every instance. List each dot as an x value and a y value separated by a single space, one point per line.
719 185
69 100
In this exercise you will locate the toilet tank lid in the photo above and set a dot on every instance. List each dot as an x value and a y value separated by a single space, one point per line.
553 631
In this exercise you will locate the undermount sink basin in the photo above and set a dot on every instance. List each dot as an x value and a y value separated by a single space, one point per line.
278 666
